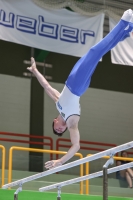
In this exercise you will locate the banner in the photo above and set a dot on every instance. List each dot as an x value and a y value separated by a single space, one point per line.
122 53
60 31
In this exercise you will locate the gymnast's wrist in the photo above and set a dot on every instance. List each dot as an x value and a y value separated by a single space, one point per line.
34 70
61 161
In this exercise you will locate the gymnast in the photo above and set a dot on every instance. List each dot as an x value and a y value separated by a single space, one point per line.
68 101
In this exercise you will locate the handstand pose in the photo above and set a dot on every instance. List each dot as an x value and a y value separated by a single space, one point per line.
67 102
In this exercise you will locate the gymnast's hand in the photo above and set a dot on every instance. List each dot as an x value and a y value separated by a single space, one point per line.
52 164
33 65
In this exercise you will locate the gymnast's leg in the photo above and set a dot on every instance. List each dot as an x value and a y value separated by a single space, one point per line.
80 76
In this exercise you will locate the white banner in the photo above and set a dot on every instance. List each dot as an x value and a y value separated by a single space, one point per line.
60 31
122 53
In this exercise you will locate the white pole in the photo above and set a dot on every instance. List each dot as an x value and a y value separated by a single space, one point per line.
109 152
83 178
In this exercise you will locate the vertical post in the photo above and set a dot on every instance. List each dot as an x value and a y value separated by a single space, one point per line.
59 193
44 72
3 166
37 111
105 177
16 193
36 121
105 184
15 196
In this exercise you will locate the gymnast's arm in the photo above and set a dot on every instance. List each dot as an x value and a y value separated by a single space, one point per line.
54 94
75 140
72 125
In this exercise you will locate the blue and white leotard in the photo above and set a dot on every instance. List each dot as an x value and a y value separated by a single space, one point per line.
80 77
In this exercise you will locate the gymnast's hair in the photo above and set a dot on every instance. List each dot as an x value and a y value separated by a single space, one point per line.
56 133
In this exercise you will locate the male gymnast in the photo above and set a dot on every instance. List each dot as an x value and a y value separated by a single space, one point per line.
67 102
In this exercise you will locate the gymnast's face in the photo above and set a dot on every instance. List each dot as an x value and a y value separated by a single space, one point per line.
59 126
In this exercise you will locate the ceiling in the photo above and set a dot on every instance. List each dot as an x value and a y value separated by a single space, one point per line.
89 6
113 8
110 7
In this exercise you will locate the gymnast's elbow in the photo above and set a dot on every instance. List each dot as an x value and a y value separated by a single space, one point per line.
77 146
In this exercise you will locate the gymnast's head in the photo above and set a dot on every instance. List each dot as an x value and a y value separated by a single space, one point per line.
59 127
